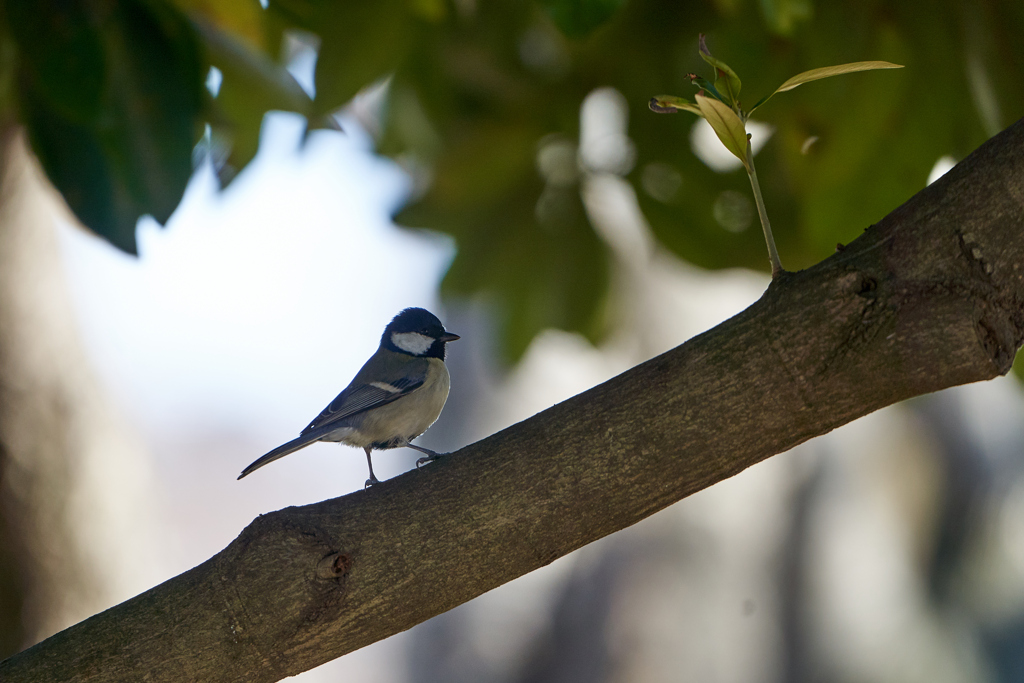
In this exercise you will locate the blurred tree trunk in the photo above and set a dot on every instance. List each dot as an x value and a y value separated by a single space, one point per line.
56 429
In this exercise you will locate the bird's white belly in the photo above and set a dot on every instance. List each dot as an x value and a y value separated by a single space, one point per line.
406 418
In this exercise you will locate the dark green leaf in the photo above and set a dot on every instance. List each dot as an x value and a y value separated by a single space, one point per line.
726 81
252 84
534 258
62 55
705 85
578 18
78 165
538 273
360 42
8 79
134 156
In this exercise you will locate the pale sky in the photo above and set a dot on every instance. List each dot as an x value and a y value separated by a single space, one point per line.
254 299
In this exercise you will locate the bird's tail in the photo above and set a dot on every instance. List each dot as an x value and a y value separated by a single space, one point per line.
281 451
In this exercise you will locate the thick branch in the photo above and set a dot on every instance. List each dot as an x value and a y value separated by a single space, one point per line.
931 297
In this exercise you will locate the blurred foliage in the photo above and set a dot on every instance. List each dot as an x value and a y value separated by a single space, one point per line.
577 18
113 96
110 94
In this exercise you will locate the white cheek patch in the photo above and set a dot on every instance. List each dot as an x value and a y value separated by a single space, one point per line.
412 342
386 387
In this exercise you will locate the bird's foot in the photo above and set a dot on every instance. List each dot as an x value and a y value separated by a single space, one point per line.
431 455
370 482
429 458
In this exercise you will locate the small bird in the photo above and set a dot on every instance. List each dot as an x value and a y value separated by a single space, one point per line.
393 398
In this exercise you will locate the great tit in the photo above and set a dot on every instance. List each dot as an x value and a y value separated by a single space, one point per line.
393 398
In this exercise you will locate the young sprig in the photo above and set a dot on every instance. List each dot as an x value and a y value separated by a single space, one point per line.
719 104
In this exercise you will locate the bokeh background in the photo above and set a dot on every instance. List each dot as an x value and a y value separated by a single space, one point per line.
498 165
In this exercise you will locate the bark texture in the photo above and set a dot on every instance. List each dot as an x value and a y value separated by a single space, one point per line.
930 297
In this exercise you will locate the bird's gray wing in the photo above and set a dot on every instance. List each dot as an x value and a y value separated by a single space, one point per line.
358 398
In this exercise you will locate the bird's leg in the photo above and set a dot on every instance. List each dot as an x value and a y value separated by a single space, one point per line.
431 455
373 479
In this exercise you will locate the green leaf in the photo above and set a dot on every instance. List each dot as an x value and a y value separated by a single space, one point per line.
134 157
361 43
727 126
703 84
827 72
670 104
76 163
252 85
578 18
537 259
726 81
61 55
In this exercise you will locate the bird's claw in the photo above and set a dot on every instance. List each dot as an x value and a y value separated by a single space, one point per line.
426 459
370 482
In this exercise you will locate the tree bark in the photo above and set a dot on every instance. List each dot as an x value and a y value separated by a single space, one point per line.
930 297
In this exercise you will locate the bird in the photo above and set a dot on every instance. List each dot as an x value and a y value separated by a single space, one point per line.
397 394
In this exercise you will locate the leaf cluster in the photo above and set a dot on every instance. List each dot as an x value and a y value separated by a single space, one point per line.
721 106
480 94
113 97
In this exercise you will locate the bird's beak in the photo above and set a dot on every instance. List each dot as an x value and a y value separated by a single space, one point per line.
448 336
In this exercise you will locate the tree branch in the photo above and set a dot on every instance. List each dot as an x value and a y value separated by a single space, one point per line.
931 297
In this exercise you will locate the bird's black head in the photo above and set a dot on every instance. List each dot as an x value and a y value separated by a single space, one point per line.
417 332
